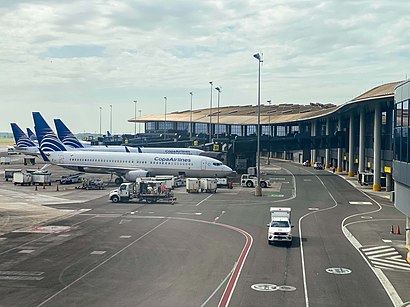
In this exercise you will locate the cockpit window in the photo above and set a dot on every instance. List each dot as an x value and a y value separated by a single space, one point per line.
217 164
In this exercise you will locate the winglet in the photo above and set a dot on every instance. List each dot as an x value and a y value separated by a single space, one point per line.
126 149
139 149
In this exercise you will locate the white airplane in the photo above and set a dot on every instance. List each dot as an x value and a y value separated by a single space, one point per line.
124 164
71 141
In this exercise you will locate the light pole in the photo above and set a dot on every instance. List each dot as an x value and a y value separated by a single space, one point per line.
165 114
210 114
270 130
100 119
112 132
219 89
139 124
135 118
190 118
258 189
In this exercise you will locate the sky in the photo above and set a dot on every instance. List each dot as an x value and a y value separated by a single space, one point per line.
68 59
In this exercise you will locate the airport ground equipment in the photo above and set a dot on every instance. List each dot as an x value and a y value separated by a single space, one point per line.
9 173
192 185
5 160
29 160
72 178
41 178
91 184
22 178
208 185
150 191
251 181
280 227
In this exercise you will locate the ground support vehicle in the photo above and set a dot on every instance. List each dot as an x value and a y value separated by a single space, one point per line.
5 160
22 178
41 178
91 184
318 165
251 181
72 178
150 191
280 227
192 185
8 173
224 183
208 185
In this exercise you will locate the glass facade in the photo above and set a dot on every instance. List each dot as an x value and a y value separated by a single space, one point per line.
401 131
236 129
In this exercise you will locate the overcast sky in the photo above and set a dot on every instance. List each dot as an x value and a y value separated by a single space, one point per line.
67 59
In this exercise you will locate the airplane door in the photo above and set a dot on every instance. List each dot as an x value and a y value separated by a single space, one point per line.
60 158
203 165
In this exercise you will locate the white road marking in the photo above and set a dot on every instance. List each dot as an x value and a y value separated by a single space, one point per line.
26 251
381 251
98 252
391 266
360 203
125 237
21 273
372 248
21 277
100 264
189 213
204 200
387 241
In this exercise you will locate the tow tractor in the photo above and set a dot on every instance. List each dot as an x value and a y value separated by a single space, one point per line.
150 191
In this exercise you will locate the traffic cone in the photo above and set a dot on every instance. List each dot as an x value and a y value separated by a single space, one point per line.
398 230
392 229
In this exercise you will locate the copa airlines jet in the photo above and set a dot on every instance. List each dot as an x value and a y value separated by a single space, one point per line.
23 143
128 165
71 141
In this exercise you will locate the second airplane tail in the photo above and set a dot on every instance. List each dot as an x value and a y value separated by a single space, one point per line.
48 140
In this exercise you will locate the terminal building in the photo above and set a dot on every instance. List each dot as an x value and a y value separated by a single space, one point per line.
365 137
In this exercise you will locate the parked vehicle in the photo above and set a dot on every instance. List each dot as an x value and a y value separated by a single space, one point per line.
306 163
72 178
41 178
5 160
318 165
192 185
251 181
208 185
150 191
91 184
9 173
280 227
22 178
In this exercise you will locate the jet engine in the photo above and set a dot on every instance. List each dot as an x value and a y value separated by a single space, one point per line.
133 175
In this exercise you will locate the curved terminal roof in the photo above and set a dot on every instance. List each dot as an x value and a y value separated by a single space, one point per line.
273 114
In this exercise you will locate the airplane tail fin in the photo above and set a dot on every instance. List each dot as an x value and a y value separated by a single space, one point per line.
20 137
139 149
66 136
108 133
48 140
31 135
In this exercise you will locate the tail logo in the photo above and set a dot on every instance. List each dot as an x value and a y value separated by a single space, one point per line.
50 142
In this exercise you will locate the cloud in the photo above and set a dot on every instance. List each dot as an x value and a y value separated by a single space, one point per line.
70 57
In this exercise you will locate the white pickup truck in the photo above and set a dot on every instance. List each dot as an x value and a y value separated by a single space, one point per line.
280 227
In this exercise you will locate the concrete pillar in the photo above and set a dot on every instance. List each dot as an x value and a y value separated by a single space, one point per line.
389 182
350 173
408 237
327 150
377 148
339 149
361 141
313 150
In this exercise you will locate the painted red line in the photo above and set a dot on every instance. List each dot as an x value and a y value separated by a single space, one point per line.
226 297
